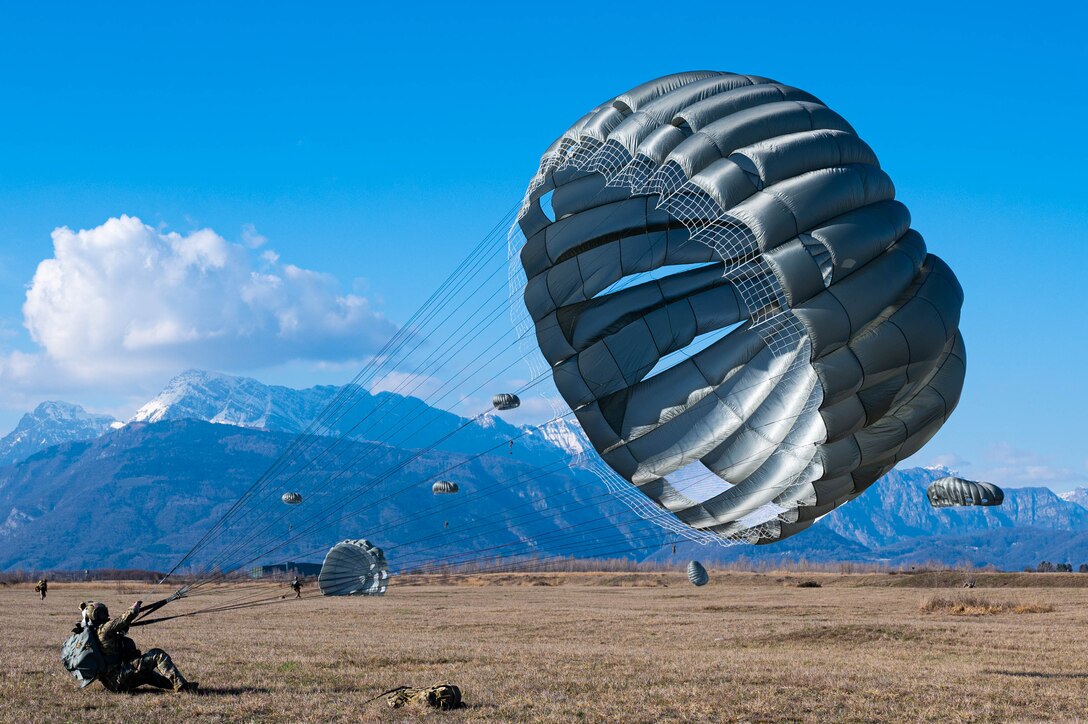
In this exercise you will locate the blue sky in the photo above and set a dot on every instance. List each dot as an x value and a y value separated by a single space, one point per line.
369 148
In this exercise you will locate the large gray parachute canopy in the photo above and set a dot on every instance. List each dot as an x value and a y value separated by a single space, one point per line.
354 568
952 491
505 401
291 498
444 487
795 339
697 575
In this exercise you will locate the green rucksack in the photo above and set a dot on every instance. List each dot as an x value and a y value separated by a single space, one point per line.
82 656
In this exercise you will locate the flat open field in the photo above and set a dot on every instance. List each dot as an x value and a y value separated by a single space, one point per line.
611 647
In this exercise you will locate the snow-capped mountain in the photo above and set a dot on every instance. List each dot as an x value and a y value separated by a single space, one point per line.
239 401
942 471
1077 496
52 423
565 435
384 417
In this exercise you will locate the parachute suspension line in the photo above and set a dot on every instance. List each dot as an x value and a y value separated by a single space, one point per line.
381 476
676 528
679 528
229 606
396 343
499 525
304 443
499 445
403 426
321 520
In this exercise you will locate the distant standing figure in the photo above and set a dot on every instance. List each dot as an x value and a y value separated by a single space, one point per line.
41 587
296 586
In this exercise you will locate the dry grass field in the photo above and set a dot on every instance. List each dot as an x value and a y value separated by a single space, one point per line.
592 647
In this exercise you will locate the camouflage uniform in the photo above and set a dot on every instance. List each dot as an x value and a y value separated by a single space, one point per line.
42 587
296 586
128 668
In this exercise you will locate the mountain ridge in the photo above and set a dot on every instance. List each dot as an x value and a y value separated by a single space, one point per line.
52 423
205 426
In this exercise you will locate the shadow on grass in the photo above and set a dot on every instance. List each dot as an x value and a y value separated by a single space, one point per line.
1035 674
209 691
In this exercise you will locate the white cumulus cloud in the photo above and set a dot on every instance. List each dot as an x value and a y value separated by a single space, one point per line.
128 299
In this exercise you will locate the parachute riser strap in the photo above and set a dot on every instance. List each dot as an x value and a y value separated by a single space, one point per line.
151 608
385 693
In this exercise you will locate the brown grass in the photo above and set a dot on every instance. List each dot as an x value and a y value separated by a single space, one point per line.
966 605
577 647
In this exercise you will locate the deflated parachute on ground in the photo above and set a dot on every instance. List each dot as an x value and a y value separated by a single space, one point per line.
952 491
697 575
826 337
354 568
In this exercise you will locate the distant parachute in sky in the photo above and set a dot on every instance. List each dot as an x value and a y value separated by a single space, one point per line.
444 487
291 498
951 491
354 568
505 401
697 574
720 276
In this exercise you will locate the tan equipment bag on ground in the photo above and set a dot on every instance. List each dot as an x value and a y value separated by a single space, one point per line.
439 696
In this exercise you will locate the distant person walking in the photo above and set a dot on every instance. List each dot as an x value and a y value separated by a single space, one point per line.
126 667
41 587
296 586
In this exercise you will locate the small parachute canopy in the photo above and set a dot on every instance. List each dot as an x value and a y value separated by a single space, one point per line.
697 574
354 568
506 401
951 491
444 487
291 498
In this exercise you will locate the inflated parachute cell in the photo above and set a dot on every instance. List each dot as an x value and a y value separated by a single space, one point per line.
697 575
354 568
505 401
794 337
444 487
291 498
951 491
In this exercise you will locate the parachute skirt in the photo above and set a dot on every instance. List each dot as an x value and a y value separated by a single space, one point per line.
835 347
354 568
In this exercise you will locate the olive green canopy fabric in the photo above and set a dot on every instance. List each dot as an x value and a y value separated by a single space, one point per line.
697 574
953 491
796 338
354 568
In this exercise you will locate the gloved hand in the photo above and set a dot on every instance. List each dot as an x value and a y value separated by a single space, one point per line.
136 606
